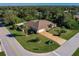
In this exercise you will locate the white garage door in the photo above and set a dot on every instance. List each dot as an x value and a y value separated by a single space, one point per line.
41 30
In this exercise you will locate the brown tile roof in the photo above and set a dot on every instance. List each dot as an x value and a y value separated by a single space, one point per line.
39 24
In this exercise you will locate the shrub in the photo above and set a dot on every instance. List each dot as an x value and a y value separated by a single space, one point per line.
31 31
49 42
59 31
35 49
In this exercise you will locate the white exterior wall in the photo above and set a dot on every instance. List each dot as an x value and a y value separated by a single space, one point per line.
41 30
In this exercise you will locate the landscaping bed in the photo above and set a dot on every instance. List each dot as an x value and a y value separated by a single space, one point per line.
34 42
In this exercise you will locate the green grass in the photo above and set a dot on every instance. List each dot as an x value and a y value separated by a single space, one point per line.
2 54
68 34
38 47
76 52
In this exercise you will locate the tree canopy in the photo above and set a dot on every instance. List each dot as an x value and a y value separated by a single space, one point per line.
62 16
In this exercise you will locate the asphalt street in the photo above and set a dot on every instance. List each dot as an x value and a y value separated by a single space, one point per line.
68 48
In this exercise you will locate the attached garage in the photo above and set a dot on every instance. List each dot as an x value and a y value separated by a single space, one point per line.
41 30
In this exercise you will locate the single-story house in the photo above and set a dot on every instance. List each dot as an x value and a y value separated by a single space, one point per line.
40 25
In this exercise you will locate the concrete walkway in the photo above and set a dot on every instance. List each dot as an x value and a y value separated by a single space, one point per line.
57 39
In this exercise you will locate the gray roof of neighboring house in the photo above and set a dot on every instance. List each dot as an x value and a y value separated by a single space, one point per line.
76 15
39 24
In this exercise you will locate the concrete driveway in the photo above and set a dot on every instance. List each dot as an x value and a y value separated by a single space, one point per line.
57 39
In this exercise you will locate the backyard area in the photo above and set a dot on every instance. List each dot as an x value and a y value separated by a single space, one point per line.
34 42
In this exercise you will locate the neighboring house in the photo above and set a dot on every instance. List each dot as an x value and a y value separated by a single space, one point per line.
40 25
76 16
66 11
19 24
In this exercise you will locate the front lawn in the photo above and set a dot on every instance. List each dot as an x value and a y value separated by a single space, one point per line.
38 47
67 35
76 53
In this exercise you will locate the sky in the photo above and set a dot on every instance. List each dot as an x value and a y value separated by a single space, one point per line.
39 4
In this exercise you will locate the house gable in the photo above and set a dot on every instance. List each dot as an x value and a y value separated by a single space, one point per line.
40 24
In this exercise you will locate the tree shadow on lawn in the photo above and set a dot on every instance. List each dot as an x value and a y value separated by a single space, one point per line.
13 35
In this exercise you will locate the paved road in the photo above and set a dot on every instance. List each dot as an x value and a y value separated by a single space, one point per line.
69 47
10 44
57 39
12 48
